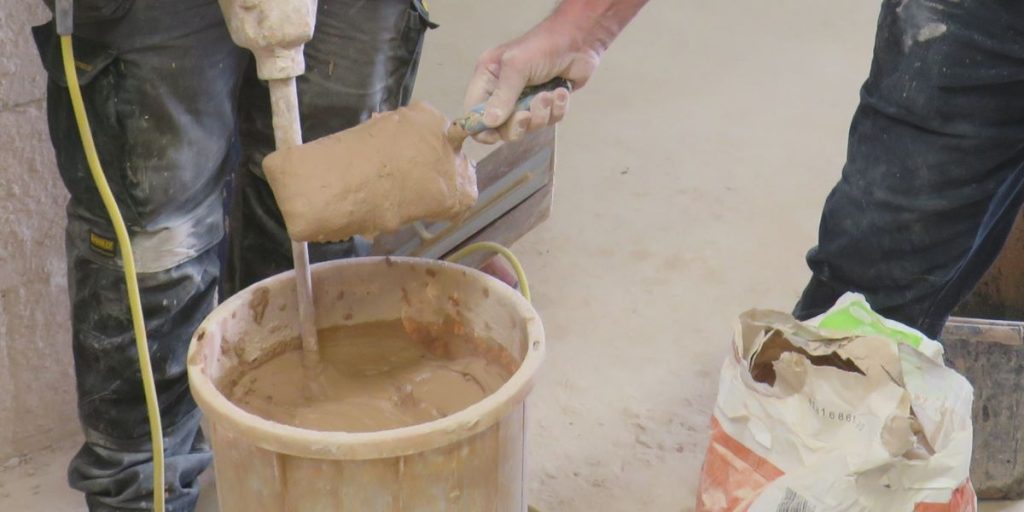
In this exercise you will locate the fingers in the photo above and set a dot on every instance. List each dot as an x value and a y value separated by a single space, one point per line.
488 137
484 81
498 80
481 86
512 78
546 109
540 110
560 105
516 126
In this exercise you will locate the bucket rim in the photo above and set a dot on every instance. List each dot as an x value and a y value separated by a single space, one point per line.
301 442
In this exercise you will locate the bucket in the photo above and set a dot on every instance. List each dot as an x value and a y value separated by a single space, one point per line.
470 461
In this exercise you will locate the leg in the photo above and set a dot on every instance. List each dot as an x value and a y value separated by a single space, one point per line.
362 59
933 178
160 82
114 467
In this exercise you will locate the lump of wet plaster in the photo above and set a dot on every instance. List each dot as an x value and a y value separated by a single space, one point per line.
387 172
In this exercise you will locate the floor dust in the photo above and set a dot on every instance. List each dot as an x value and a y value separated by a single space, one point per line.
691 173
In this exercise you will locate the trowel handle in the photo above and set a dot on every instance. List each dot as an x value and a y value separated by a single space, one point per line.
473 121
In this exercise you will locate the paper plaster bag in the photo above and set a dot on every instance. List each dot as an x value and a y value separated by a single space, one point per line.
847 412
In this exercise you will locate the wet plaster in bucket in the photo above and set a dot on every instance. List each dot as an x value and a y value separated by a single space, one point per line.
375 376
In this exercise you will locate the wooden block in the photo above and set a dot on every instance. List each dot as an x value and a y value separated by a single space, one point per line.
985 342
990 353
511 155
513 225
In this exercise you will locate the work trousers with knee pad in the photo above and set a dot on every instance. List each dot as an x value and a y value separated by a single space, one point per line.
933 179
176 110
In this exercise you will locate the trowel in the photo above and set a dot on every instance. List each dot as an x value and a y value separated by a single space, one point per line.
397 168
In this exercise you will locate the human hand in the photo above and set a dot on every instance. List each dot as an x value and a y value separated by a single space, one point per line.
568 44
555 48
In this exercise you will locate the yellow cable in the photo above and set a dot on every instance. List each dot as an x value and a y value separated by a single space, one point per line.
130 277
524 285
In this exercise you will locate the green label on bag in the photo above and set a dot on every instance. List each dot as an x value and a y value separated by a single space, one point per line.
857 318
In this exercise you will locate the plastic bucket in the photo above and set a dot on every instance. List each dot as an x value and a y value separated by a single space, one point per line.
470 461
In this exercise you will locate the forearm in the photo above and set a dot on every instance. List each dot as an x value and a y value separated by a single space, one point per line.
598 22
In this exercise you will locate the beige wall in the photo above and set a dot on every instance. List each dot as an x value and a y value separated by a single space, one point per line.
36 378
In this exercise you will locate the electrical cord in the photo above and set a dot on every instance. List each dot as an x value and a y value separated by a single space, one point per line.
524 285
124 244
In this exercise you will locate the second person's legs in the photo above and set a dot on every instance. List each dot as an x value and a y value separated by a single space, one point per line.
933 178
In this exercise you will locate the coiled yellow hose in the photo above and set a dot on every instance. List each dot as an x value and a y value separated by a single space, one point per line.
130 277
524 285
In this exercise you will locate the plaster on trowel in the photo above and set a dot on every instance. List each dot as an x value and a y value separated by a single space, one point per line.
399 167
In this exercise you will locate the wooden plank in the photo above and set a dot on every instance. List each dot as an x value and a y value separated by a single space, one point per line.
514 225
510 155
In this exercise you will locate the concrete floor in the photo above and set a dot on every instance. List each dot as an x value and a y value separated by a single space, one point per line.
691 174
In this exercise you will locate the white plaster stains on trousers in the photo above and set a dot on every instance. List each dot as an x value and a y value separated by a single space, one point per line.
931 31
165 248
921 20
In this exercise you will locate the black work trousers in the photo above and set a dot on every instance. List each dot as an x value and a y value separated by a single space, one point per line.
933 178
176 109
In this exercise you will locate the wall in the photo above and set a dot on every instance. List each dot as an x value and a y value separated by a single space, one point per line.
36 377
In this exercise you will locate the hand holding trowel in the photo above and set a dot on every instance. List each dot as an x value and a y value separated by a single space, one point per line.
393 169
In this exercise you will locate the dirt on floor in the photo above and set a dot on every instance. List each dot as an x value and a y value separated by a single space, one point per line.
691 172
